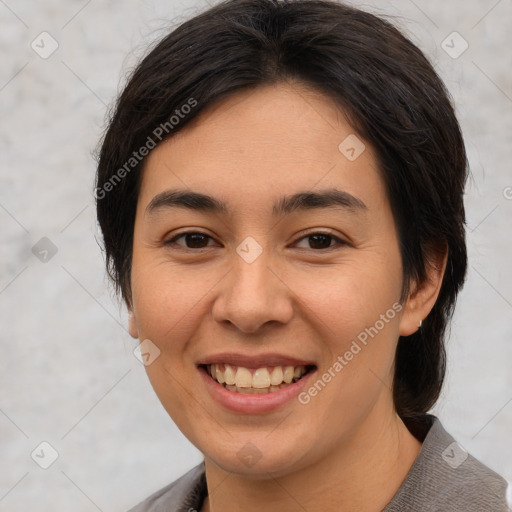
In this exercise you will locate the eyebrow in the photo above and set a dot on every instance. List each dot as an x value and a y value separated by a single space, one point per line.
300 201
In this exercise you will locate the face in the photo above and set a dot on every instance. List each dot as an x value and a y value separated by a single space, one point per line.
291 261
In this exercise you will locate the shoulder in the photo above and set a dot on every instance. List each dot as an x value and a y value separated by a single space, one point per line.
183 494
446 477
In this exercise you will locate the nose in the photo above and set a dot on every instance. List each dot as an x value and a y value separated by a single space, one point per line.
253 295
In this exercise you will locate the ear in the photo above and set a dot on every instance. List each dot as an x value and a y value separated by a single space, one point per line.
423 296
132 325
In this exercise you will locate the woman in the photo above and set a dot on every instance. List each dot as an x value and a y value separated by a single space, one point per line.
280 191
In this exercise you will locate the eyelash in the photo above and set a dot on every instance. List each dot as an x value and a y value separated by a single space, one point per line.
177 237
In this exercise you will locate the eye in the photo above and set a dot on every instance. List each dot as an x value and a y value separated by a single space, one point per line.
198 240
322 240
193 240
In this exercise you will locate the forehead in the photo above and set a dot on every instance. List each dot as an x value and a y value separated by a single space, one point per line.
260 144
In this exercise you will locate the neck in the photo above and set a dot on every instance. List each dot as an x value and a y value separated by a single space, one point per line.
362 473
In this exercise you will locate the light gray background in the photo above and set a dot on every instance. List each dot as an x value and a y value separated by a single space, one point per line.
68 374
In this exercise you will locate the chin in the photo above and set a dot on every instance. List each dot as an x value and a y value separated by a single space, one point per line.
257 460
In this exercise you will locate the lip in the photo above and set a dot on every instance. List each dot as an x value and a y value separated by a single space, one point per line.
253 404
253 362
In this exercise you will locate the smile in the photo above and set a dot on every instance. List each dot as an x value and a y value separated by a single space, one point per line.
255 383
263 380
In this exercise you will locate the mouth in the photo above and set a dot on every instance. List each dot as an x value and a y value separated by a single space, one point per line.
256 381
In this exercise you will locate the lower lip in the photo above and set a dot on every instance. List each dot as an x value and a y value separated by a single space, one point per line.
253 404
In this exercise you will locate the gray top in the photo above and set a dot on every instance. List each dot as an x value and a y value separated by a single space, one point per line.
443 478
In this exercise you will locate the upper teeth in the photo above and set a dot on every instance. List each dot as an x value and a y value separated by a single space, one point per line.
260 378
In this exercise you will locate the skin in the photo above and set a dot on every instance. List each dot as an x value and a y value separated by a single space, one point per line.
346 449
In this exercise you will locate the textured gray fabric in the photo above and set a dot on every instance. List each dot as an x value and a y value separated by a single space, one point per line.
443 478
183 495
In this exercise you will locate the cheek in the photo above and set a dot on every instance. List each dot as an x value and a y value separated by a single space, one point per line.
355 315
167 300
168 305
352 296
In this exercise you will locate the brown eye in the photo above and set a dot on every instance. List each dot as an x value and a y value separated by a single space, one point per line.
193 240
321 241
